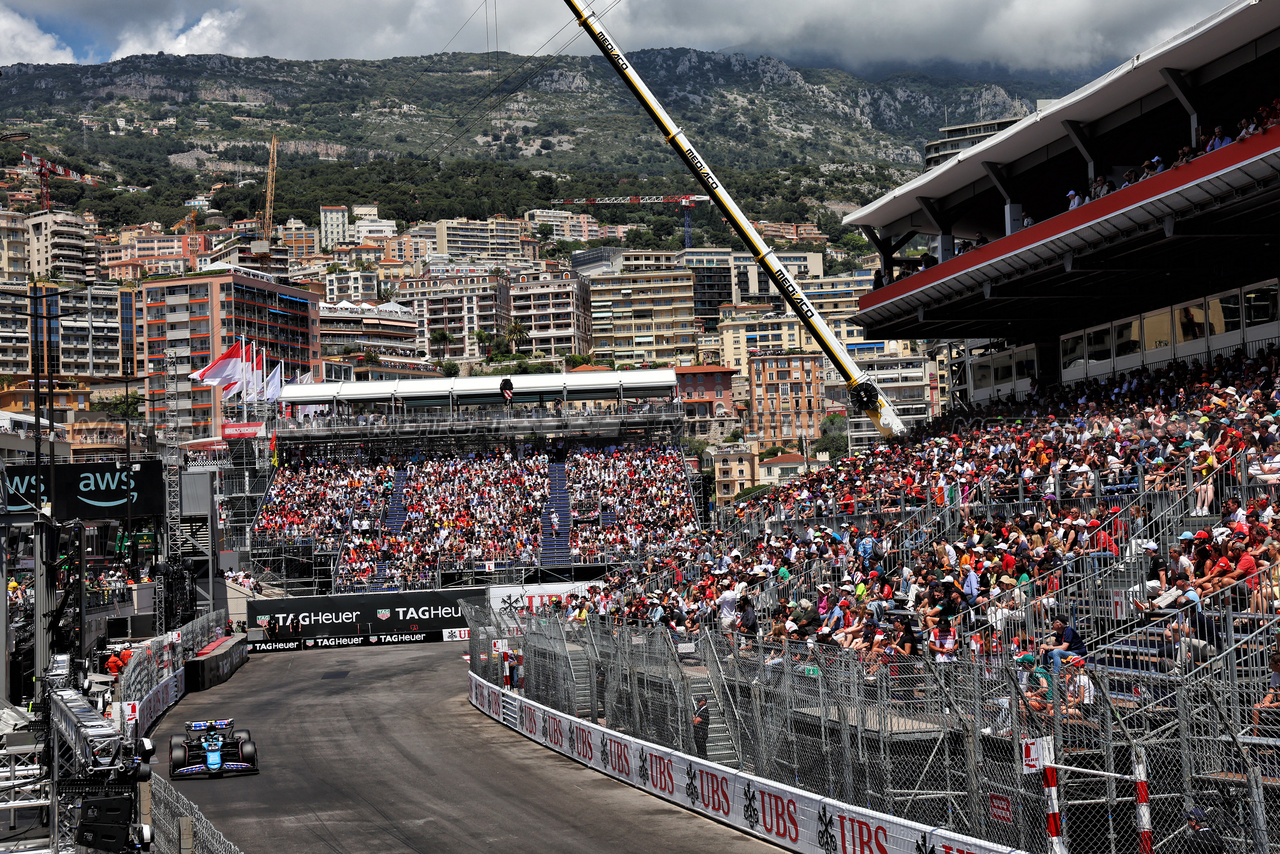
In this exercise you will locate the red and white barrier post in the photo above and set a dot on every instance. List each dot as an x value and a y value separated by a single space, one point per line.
1053 815
1142 801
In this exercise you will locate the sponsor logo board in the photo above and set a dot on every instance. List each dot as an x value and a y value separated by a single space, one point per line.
793 819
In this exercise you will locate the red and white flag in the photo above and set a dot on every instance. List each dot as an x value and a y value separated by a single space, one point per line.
225 368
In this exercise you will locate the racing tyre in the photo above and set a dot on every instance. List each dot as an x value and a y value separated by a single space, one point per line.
176 741
249 753
241 735
177 759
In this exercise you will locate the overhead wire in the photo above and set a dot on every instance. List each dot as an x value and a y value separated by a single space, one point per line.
439 150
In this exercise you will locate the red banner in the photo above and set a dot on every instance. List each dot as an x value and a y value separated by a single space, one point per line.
246 430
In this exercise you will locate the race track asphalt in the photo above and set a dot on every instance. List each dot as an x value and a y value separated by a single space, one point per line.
378 751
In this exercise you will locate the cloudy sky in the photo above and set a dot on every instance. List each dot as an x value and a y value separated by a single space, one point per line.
1035 34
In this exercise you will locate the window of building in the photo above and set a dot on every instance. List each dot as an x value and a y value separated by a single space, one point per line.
1224 314
1157 331
1072 354
1260 305
1100 344
1128 339
1191 322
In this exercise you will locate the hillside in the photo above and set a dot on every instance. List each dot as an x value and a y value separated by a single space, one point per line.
157 119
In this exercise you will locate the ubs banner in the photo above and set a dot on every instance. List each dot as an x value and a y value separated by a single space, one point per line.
90 490
362 619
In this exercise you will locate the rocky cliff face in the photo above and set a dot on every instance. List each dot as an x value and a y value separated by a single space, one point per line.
750 111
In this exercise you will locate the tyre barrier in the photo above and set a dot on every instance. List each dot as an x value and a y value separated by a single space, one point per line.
215 664
788 817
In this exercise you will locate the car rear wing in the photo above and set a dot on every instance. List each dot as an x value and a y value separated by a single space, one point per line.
197 726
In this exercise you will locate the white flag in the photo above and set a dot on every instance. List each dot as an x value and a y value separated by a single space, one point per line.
271 392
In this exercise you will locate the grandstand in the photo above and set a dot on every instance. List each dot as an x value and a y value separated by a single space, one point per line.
1109 491
429 483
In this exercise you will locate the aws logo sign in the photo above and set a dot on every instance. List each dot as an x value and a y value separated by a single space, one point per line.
90 490
107 486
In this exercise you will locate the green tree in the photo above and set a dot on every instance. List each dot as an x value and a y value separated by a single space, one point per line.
517 335
450 368
120 406
441 339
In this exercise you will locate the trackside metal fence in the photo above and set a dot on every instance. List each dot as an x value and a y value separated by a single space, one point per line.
1148 728
179 827
164 656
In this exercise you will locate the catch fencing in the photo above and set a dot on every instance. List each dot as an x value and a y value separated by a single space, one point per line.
178 825
958 745
160 660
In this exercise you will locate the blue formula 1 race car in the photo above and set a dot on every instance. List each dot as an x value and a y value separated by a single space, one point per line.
214 748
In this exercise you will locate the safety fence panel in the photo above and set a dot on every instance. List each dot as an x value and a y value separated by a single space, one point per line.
793 819
151 681
169 808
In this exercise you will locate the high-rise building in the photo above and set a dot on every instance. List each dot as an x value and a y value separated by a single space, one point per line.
98 334
335 226
555 311
787 397
643 316
301 241
470 238
15 257
200 317
460 307
61 247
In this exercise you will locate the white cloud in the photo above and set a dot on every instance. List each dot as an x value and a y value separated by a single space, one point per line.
1020 33
215 32
22 40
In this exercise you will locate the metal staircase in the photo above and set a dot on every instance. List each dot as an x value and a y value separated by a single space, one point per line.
555 544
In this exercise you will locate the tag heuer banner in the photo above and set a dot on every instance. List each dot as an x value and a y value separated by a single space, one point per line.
90 490
361 619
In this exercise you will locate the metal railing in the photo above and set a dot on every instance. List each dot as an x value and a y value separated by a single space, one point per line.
161 657
171 813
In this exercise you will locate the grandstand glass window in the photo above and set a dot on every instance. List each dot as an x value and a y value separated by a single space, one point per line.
1099 345
1260 305
1072 353
1190 319
982 374
1157 330
1002 368
1128 339
1224 313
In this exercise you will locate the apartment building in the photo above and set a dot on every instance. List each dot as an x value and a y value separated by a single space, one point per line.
565 225
750 284
787 396
707 394
735 468
200 316
749 327
335 226
386 328
15 257
555 311
790 232
643 317
461 307
300 240
60 247
495 237
98 334
357 286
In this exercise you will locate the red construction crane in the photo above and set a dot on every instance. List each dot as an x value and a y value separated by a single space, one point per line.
686 202
46 169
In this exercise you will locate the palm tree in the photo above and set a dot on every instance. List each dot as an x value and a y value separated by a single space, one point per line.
517 335
441 339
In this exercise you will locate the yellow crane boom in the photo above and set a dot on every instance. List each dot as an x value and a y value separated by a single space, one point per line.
863 393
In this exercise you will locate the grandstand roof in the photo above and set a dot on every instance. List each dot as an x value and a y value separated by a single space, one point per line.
1233 26
475 391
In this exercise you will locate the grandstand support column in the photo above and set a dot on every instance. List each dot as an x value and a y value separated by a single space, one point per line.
1181 90
1080 138
944 223
1142 800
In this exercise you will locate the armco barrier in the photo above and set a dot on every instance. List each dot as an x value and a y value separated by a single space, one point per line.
791 818
217 665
